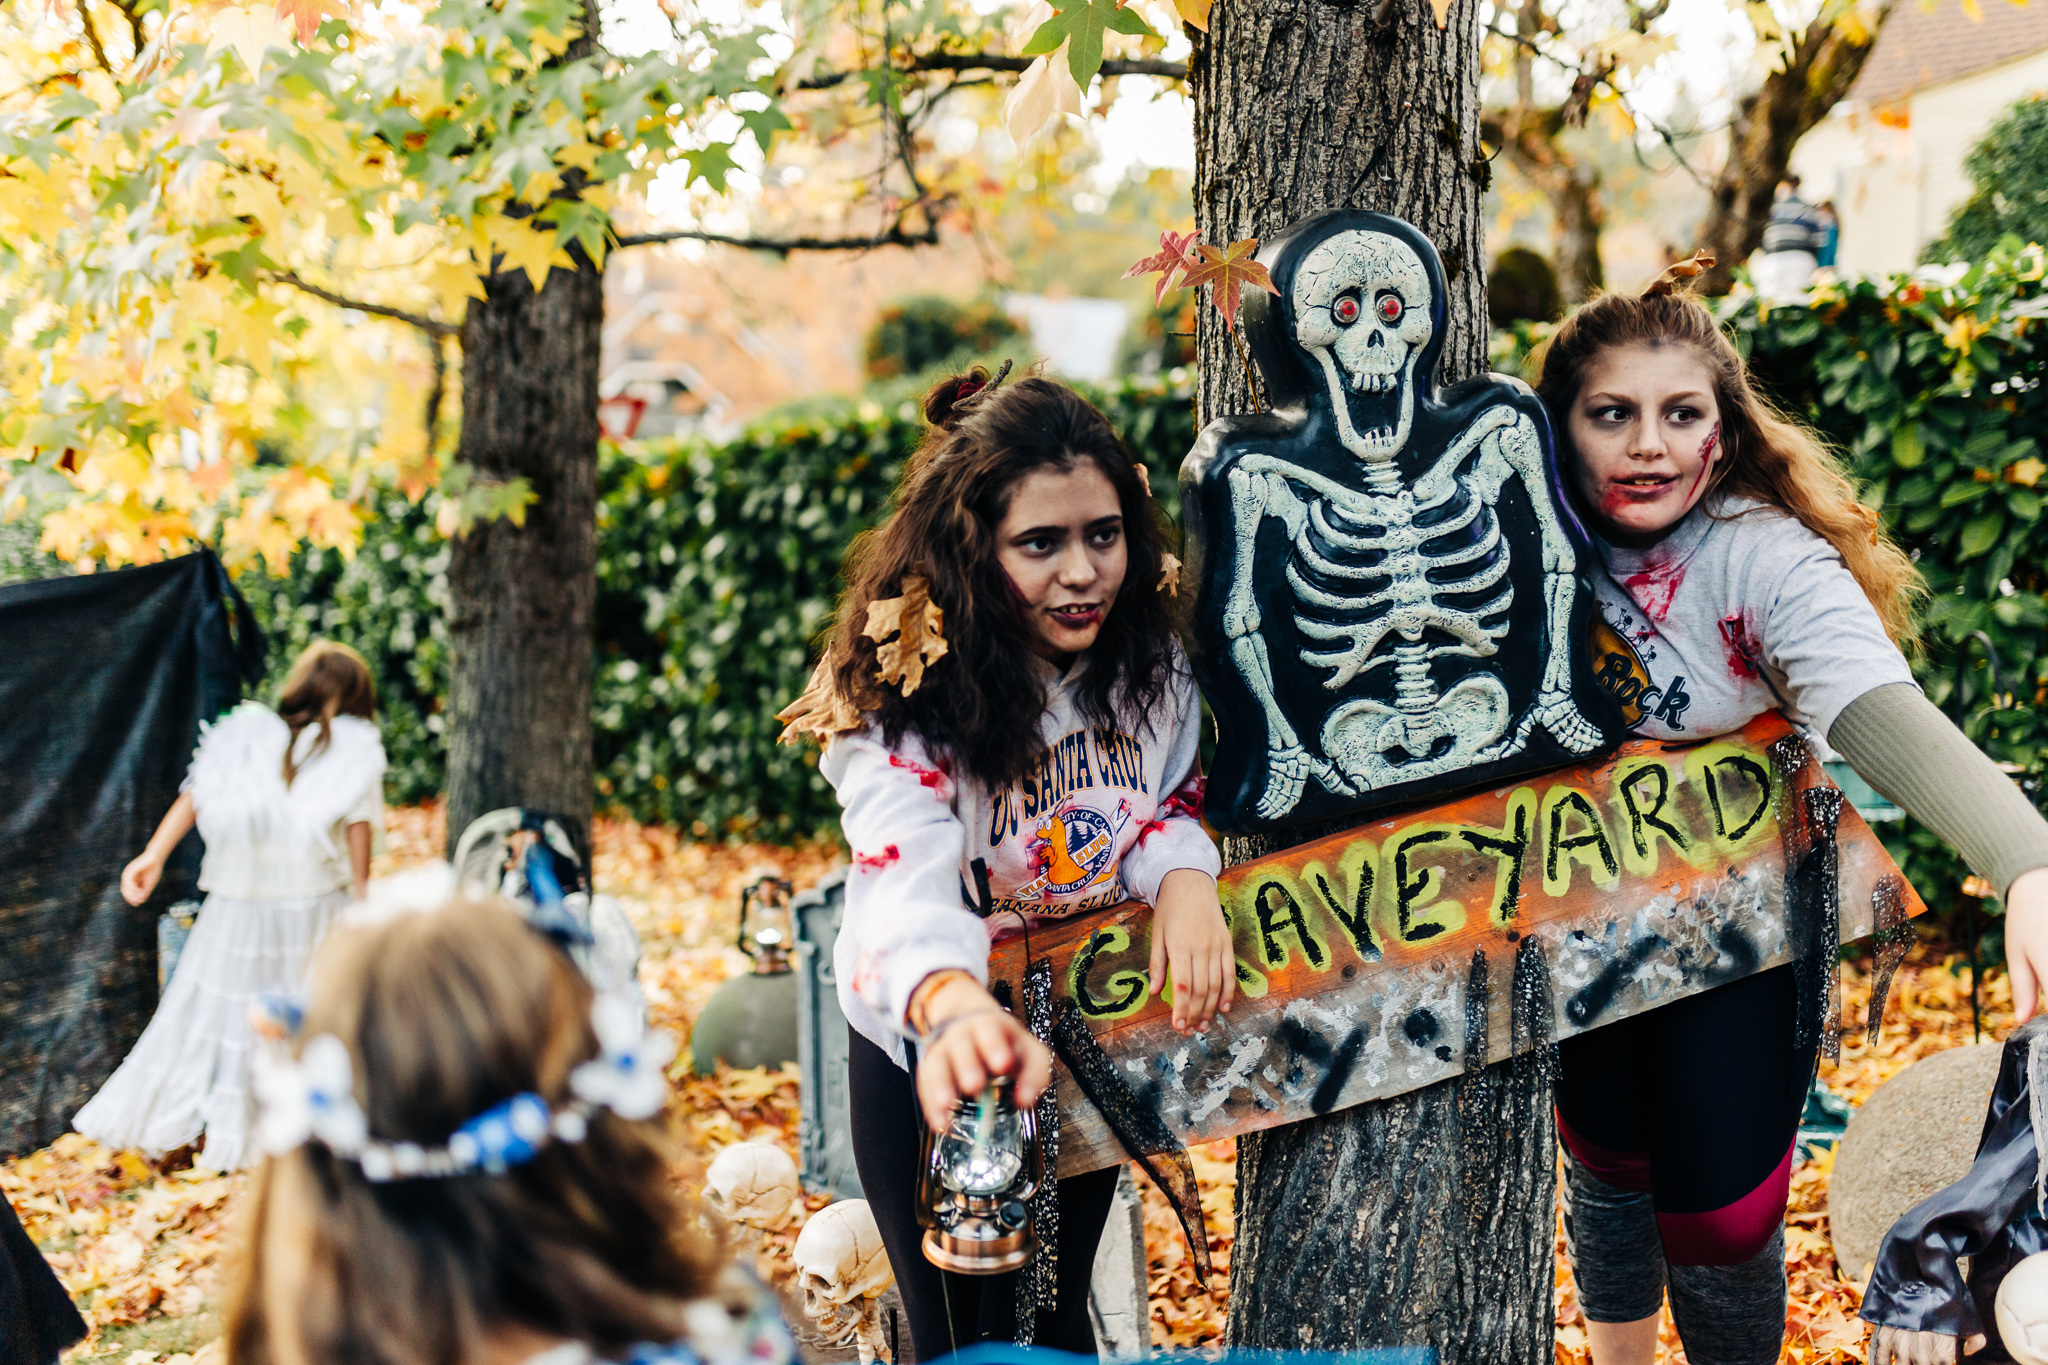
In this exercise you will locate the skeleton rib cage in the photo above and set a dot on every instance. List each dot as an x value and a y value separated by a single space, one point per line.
1363 572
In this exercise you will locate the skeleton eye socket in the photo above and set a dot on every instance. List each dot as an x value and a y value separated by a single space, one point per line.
1345 309
1389 308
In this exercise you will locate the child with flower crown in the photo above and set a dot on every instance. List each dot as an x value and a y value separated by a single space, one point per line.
288 803
467 1169
1004 702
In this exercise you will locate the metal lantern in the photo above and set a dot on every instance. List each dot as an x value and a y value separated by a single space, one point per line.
751 1019
974 1184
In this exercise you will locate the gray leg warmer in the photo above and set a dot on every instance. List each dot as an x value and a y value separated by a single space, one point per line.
1617 1256
1732 1314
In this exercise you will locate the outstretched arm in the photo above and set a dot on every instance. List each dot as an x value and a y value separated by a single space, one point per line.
140 877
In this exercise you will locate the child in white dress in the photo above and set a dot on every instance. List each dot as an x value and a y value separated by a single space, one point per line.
288 803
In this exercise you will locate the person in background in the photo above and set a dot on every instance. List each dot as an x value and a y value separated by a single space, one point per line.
1831 233
1791 247
288 803
467 1166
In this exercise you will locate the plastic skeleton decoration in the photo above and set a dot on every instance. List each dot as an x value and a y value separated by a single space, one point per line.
843 1271
1395 555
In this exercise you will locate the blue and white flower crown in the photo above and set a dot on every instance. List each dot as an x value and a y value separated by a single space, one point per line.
312 1098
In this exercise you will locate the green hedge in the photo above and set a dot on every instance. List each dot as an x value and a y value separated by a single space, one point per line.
1934 393
718 567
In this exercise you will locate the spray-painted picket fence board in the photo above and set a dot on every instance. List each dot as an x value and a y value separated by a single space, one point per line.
1370 961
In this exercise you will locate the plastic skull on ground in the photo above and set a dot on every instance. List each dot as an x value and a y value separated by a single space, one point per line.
2022 1310
843 1271
754 1185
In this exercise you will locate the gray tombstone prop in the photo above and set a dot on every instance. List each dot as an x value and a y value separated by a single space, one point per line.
824 1133
1391 600
1916 1135
1118 1299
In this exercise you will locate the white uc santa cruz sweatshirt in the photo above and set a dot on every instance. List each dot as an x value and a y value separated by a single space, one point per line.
1109 811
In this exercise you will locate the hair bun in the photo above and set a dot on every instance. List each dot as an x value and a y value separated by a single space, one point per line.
950 398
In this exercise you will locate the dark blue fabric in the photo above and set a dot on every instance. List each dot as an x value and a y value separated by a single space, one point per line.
1003 1353
1990 1215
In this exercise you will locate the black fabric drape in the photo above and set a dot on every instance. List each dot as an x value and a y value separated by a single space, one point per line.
104 679
1990 1215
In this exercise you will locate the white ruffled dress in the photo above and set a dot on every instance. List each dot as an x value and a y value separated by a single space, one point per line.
276 873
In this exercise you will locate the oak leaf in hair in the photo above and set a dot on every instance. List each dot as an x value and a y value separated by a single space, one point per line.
820 713
909 630
1169 575
1700 264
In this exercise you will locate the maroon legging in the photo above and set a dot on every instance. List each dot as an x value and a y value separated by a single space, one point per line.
1696 1103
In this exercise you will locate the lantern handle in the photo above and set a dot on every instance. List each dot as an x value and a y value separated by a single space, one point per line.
748 897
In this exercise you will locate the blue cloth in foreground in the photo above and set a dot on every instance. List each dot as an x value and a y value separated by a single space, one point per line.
1004 1353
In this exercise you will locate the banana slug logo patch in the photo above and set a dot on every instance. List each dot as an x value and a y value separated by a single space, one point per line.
1078 845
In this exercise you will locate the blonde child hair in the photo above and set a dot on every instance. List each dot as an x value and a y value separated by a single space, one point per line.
445 1014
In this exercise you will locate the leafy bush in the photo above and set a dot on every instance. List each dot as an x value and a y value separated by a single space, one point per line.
1934 393
2008 172
918 333
718 567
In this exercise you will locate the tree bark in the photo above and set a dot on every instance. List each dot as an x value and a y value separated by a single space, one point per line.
1768 124
1426 1219
521 597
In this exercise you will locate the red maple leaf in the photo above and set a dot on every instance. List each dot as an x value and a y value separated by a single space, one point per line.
1228 272
1172 261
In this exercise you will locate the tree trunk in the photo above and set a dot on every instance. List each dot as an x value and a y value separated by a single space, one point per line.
1576 206
1816 76
1426 1219
521 597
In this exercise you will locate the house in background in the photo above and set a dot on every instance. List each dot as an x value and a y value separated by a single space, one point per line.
1891 155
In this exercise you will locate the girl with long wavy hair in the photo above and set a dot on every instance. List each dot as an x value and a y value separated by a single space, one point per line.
288 803
1741 575
1004 703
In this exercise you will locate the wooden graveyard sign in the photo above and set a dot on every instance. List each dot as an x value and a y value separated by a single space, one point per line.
1401 953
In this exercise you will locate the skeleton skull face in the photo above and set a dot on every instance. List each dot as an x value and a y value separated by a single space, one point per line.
839 1260
1362 305
754 1184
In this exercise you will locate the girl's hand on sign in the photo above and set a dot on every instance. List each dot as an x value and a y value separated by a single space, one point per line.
966 1038
1191 944
1896 1346
2026 939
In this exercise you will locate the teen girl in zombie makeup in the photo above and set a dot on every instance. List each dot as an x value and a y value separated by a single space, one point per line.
1741 575
1027 718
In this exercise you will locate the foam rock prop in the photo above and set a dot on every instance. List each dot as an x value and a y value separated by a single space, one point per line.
843 1272
753 1185
2023 1311
1916 1135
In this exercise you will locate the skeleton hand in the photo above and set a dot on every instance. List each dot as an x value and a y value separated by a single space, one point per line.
1287 772
1555 712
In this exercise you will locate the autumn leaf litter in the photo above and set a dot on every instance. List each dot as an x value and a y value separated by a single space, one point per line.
143 1248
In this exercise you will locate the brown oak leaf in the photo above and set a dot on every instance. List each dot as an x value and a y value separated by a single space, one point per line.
820 712
1169 575
909 630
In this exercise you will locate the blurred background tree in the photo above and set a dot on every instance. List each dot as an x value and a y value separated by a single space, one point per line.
926 331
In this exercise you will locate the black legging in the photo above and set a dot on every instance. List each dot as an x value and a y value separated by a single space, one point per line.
946 1311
